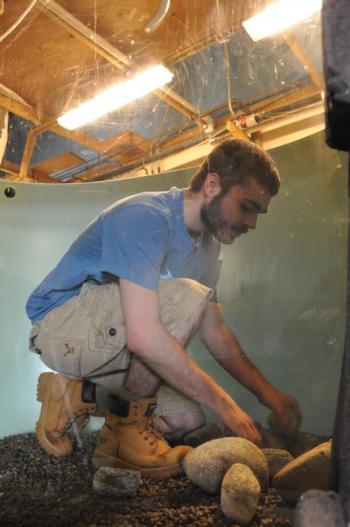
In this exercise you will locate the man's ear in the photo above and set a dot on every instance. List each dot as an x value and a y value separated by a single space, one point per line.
211 186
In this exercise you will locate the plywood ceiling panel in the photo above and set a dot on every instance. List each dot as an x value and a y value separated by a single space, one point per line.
55 164
53 70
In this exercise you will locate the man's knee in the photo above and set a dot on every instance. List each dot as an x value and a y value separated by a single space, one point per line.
182 304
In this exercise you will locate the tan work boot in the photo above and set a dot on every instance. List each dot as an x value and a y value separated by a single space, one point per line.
133 442
62 408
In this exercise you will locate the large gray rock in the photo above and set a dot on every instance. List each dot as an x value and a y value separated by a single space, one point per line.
276 459
308 471
240 493
319 508
207 464
116 482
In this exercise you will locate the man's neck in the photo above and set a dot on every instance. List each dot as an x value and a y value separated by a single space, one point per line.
193 202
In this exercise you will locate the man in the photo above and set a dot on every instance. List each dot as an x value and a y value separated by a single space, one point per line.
114 317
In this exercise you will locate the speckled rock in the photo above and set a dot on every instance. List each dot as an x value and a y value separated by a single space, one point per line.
303 442
240 493
319 508
308 471
272 440
207 464
276 459
111 481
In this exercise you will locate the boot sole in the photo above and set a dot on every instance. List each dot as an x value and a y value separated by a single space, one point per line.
42 396
101 460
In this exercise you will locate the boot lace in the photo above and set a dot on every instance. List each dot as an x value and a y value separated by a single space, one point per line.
74 418
148 427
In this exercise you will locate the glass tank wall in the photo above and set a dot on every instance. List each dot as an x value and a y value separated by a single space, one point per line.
282 286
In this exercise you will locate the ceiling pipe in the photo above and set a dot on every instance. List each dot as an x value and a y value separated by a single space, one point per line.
159 17
18 21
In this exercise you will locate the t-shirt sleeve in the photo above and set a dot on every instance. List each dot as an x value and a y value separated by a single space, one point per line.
134 242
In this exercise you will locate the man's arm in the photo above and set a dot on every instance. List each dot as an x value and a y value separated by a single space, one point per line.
160 351
224 346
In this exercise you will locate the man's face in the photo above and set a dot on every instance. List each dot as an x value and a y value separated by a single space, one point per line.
227 216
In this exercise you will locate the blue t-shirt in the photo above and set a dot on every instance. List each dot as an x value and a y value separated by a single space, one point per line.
143 239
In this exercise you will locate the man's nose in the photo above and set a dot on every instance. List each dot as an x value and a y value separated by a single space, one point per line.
251 221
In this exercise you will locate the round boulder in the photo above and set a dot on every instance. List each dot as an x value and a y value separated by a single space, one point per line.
240 493
207 464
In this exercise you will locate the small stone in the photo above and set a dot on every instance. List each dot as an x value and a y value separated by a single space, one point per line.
308 471
319 507
276 459
207 464
116 482
240 493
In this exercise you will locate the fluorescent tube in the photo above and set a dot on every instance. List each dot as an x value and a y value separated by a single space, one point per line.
279 16
116 96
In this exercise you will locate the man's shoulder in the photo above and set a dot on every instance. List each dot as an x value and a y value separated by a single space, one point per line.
164 203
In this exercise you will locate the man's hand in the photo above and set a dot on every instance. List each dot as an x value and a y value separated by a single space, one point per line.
243 426
286 415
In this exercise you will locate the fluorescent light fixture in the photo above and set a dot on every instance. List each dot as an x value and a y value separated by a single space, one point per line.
116 96
279 16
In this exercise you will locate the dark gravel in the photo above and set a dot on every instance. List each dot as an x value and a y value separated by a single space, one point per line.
41 491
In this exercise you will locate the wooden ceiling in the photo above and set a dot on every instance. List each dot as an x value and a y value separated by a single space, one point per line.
65 51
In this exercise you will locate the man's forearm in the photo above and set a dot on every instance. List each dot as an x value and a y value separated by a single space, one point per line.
225 348
161 352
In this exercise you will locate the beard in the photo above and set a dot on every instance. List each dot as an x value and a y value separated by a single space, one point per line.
212 218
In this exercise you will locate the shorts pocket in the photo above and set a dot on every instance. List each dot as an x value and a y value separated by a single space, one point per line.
106 336
106 333
63 354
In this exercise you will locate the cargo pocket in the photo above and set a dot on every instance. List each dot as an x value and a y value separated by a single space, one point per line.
63 354
106 333
106 336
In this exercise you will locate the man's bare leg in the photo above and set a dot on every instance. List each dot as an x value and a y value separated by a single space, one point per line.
142 382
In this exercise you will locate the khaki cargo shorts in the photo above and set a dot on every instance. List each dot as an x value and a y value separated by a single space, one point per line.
85 338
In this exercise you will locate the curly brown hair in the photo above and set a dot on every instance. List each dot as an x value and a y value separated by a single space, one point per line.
235 161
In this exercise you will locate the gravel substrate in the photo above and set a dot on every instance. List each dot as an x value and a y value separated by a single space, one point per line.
41 491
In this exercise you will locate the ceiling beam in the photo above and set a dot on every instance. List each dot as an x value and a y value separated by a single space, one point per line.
113 55
266 134
236 132
28 150
22 110
12 169
301 55
29 114
300 124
